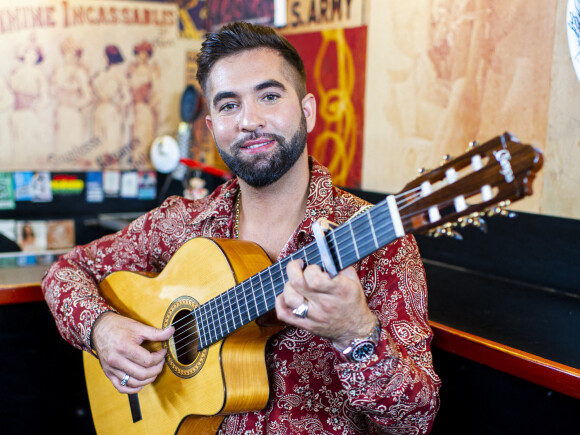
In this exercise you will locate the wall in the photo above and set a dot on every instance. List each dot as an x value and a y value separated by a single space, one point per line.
518 76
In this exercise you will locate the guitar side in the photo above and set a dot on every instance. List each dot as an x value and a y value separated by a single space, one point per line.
231 378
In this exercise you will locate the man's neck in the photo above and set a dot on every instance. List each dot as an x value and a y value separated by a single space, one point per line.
269 215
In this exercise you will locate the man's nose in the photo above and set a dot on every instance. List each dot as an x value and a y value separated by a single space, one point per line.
252 117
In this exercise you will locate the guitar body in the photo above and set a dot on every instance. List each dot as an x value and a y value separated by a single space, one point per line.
227 377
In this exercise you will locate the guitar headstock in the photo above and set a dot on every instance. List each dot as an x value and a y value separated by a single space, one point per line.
483 181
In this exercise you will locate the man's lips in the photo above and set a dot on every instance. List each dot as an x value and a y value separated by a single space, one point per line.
258 145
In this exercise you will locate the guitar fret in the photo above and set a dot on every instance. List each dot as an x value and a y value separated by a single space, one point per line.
231 310
372 230
263 294
240 292
219 314
245 301
197 322
238 309
365 243
332 233
203 321
207 315
354 239
251 313
269 305
284 278
211 322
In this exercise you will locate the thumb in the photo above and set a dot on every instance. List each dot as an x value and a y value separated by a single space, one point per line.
156 334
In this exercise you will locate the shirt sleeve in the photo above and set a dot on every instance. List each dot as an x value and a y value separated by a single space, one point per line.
398 388
70 286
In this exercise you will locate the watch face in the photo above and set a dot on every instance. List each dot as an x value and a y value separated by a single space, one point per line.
363 351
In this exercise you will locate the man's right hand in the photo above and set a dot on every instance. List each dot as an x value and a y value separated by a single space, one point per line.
118 340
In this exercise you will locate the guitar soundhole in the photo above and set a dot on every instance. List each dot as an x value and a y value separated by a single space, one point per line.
183 358
186 338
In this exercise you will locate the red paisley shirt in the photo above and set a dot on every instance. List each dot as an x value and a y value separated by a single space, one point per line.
313 391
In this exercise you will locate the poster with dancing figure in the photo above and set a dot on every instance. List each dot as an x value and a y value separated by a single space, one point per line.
80 82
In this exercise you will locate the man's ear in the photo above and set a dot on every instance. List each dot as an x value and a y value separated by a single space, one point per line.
309 109
209 123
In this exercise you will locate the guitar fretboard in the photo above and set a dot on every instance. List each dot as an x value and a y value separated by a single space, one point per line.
248 300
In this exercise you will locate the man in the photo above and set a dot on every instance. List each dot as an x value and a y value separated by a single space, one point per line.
259 115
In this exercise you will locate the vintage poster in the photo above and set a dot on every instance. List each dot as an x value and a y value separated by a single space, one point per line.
335 61
303 16
268 12
192 18
84 84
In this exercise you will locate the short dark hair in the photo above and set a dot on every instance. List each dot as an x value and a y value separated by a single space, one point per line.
240 36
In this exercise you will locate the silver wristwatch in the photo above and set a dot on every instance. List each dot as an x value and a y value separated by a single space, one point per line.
362 349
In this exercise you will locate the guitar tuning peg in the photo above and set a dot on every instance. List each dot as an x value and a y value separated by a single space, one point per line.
472 144
492 211
446 158
420 172
500 209
508 214
473 220
445 231
480 224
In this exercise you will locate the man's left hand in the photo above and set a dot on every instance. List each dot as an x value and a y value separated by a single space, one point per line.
337 307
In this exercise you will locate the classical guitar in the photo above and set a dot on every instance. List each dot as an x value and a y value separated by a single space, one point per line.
213 290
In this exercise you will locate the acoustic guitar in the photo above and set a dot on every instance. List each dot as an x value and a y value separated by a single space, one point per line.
214 290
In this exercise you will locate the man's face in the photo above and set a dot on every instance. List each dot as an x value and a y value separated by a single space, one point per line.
257 119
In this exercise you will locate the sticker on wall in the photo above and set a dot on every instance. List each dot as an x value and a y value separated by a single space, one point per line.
67 184
6 192
41 187
23 185
573 30
129 184
95 191
112 183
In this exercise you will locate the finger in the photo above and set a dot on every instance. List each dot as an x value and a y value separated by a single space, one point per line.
155 334
350 273
285 314
316 279
142 364
295 287
134 380
294 271
132 386
140 355
291 297
137 377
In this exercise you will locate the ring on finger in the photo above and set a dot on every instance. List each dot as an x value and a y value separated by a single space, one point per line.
302 311
125 379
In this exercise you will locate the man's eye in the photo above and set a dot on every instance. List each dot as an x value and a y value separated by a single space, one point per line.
227 107
271 97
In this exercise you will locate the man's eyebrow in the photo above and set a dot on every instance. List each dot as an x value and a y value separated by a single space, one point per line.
270 84
222 95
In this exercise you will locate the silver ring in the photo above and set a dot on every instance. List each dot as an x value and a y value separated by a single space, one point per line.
125 380
302 311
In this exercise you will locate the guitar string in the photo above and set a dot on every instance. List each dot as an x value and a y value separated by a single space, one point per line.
408 198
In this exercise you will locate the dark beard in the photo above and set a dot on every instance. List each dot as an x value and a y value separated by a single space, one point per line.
264 171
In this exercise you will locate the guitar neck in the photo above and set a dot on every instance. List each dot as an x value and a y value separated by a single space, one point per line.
248 300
